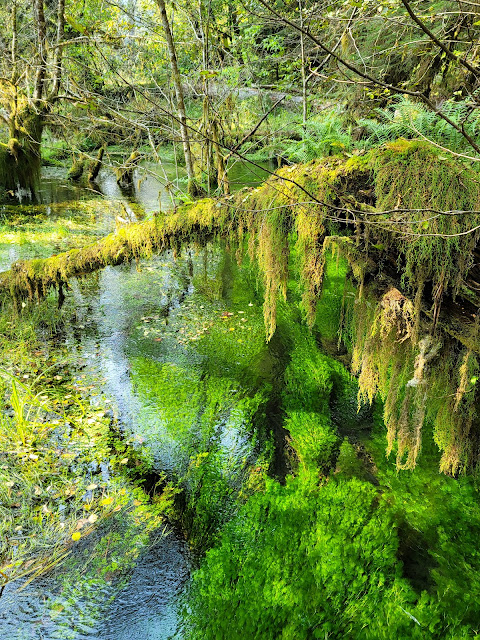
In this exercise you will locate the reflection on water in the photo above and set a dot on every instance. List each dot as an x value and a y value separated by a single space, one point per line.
135 335
130 335
146 608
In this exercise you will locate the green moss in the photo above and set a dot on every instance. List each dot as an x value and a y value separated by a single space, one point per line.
413 175
278 219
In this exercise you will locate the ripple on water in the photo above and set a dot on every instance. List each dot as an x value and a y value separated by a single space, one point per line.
145 609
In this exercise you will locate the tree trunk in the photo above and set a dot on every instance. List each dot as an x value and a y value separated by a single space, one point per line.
222 176
182 116
57 60
41 72
304 71
20 158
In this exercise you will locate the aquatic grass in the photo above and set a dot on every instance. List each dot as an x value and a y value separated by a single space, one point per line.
313 557
331 554
52 494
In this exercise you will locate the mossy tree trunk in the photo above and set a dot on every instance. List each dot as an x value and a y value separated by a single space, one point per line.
27 107
20 158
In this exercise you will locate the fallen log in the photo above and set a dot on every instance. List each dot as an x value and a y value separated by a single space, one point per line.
291 209
33 279
96 165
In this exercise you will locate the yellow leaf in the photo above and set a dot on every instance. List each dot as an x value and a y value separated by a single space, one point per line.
106 501
76 536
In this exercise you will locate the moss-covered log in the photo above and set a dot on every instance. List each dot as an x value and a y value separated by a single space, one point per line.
406 219
32 279
75 172
95 165
332 201
405 208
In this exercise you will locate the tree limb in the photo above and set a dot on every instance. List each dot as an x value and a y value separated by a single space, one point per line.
439 43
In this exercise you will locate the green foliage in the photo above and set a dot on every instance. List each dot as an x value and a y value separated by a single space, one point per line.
322 136
288 138
348 463
302 561
404 118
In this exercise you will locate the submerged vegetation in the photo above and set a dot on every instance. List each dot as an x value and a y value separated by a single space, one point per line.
239 289
55 491
380 210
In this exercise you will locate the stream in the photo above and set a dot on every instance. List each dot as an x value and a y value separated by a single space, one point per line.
167 347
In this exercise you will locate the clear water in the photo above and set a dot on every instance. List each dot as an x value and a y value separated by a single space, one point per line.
132 335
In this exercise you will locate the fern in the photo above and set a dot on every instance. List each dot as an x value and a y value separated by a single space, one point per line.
408 119
326 135
321 136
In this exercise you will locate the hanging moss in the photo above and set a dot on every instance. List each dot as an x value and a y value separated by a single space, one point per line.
426 382
417 366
